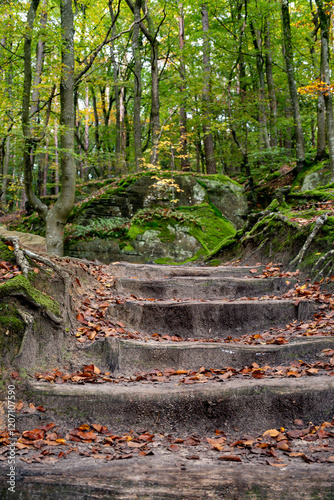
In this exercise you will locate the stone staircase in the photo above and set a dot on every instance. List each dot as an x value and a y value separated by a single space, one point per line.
201 307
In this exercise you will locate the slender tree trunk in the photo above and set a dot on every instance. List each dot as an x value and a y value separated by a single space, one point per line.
155 102
208 139
40 56
86 130
96 121
57 215
271 89
325 77
260 72
45 169
56 159
137 85
288 56
5 173
321 111
116 87
8 74
183 114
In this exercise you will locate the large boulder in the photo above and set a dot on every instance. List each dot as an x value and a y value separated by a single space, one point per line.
145 192
213 208
319 177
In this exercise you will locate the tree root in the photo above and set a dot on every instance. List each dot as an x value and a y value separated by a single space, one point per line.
326 260
22 262
19 254
299 257
65 278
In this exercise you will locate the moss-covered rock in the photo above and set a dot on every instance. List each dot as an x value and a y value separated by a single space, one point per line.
21 285
226 195
319 177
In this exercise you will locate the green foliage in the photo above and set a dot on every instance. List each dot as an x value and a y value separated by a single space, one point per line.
147 215
114 227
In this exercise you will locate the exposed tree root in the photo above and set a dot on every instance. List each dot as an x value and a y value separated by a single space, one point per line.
324 261
65 278
22 262
299 257
19 254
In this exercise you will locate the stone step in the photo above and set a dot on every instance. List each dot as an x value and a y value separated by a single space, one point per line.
201 287
153 271
169 478
213 319
250 404
128 356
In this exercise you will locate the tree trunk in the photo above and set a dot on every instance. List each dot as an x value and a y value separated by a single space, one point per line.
288 57
29 141
57 215
117 94
260 72
324 17
137 85
56 159
40 56
321 125
155 103
5 174
183 114
271 89
208 139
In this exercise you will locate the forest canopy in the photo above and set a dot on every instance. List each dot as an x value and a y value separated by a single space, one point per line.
94 90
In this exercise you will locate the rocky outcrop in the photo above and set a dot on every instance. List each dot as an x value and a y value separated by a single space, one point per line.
216 202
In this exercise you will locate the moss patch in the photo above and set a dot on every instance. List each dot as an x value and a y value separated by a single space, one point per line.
6 254
212 227
21 284
12 330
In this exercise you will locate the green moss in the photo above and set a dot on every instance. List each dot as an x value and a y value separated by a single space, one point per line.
128 248
12 329
212 229
10 320
6 254
216 177
21 284
273 205
135 230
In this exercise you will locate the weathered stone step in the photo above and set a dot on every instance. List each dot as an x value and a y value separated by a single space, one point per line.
201 287
213 319
128 356
250 405
168 478
153 271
